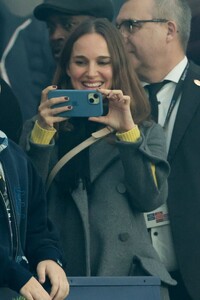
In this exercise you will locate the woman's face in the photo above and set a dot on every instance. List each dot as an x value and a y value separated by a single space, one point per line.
90 63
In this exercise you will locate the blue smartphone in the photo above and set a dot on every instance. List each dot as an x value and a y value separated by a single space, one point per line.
86 103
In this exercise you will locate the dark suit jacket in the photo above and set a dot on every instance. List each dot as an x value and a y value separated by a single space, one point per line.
193 49
184 183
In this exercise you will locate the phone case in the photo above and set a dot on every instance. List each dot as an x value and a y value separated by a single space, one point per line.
86 103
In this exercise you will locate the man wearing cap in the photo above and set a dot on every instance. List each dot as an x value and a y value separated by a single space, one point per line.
62 17
29 65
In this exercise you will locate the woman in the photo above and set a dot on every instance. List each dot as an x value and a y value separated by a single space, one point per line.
97 200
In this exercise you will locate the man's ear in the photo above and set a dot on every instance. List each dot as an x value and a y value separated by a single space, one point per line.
172 30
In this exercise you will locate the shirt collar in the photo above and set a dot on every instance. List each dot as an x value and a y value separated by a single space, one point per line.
175 74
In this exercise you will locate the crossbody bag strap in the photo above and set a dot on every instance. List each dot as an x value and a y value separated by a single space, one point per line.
69 155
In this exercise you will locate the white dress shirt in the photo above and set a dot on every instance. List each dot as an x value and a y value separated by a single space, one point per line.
161 234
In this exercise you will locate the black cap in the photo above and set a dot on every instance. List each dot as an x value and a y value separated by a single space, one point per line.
96 8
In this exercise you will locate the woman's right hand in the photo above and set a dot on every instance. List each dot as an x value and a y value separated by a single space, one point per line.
47 115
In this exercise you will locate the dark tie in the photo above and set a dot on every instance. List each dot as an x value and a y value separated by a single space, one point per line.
153 89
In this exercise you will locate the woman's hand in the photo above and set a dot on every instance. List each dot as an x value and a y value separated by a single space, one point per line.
47 115
119 116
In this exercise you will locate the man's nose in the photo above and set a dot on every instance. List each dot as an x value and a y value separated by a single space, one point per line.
58 34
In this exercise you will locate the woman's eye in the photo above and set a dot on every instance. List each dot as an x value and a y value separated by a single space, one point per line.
80 62
104 62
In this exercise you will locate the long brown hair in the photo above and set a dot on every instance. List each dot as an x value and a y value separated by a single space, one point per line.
124 76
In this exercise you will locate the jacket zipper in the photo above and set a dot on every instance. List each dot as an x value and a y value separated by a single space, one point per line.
14 227
14 234
9 223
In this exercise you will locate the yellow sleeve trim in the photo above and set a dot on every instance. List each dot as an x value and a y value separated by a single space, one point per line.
153 169
42 136
129 136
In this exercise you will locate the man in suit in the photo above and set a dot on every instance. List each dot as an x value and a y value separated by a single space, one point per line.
156 34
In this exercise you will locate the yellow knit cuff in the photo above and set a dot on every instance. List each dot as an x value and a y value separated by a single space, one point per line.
129 136
153 169
42 136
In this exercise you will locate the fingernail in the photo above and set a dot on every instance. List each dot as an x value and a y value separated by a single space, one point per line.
54 86
69 106
66 98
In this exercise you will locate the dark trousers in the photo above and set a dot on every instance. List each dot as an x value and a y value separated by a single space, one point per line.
178 292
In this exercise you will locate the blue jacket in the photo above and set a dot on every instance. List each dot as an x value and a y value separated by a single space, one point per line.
33 237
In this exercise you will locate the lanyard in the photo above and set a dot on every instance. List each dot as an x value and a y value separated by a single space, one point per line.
176 95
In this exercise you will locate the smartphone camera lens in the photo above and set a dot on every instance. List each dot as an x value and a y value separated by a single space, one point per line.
96 96
93 98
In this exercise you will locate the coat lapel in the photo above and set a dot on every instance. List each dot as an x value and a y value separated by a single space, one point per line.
189 103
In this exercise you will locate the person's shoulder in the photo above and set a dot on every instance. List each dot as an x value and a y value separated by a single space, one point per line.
16 154
194 68
16 150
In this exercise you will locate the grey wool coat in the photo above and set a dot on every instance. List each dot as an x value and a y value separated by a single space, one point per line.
107 224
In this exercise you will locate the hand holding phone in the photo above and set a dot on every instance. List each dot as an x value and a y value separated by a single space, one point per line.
85 103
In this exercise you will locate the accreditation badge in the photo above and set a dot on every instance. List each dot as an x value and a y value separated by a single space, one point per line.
157 217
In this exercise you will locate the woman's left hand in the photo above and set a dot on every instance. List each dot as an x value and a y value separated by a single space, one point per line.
119 116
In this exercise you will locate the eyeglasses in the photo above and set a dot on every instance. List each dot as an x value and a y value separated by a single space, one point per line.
131 26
